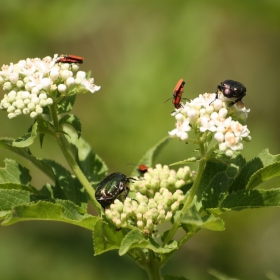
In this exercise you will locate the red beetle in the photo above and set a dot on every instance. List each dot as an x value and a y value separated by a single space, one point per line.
70 59
177 93
142 169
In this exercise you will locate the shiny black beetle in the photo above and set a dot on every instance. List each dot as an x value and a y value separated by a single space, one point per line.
233 90
112 187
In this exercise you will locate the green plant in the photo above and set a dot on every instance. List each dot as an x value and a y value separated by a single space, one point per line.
130 221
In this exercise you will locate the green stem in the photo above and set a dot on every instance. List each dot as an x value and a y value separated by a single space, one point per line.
190 196
66 149
153 266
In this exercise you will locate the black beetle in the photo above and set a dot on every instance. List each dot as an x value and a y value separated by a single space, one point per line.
232 90
112 187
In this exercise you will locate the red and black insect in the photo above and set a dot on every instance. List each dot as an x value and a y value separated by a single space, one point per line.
142 169
70 59
177 94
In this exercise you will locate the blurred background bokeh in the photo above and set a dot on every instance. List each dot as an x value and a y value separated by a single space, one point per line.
137 51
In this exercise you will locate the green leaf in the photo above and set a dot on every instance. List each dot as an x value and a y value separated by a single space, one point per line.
185 161
246 199
106 237
6 143
27 139
193 220
136 239
61 211
264 174
262 168
171 277
267 158
15 186
14 173
149 158
90 163
44 127
216 190
67 186
245 174
66 104
10 198
210 171
73 121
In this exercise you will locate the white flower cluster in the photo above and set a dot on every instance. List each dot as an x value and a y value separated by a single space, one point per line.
151 207
225 123
32 84
162 177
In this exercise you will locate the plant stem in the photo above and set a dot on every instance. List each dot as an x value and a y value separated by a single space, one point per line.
153 266
66 149
190 196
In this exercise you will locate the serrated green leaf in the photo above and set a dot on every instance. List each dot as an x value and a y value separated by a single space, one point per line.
192 221
171 277
212 222
90 163
11 198
256 171
73 121
67 186
149 158
15 186
185 161
61 211
66 104
264 174
216 190
27 139
106 237
246 199
136 239
210 171
6 143
245 174
267 158
13 172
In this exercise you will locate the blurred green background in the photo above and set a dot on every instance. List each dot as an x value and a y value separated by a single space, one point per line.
137 51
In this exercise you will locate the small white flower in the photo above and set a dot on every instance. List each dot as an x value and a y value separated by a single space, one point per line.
20 84
90 86
62 88
70 81
219 136
11 115
14 78
54 74
11 109
46 83
7 86
25 111
33 115
65 74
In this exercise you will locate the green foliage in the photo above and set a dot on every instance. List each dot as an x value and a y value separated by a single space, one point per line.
149 158
225 185
66 200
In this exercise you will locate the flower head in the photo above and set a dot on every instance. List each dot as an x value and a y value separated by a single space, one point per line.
35 83
157 198
226 124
